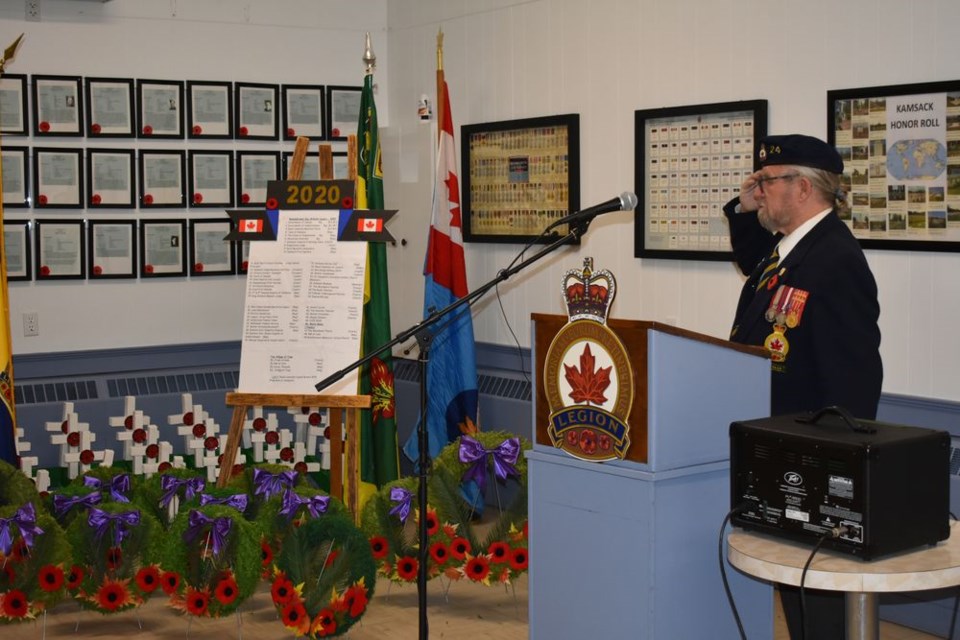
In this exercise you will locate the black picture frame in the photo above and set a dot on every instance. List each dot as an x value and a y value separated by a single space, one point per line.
518 177
209 110
14 115
304 111
256 109
689 162
160 109
343 111
111 179
18 250
57 106
110 105
901 150
58 178
60 250
211 183
16 177
210 254
163 251
255 169
112 249
162 178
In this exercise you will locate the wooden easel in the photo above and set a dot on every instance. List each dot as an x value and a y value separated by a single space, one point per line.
344 410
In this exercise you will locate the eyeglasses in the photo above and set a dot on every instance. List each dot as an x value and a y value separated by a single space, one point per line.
785 176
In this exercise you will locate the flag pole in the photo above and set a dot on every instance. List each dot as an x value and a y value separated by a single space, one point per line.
440 82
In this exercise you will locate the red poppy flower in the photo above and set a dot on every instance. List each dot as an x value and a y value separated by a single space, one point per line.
50 578
75 577
226 591
96 198
197 130
356 600
114 557
170 582
407 568
379 546
295 617
478 567
15 604
459 547
266 553
148 579
291 132
147 130
197 601
96 128
282 590
324 624
439 552
433 524
113 595
519 560
245 198
499 552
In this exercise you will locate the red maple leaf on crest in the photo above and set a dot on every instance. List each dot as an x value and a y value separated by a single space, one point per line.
588 385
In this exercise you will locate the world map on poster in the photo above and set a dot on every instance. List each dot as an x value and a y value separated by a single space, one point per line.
916 159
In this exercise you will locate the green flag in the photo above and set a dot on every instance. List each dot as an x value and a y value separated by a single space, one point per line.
379 454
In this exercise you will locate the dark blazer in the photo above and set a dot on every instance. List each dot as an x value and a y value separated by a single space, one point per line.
834 352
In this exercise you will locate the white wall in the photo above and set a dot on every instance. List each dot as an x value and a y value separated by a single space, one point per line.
604 59
272 41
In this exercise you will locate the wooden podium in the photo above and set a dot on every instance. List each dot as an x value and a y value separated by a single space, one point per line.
629 548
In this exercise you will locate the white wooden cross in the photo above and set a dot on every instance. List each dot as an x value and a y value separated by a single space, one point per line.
310 428
128 423
273 450
28 464
255 432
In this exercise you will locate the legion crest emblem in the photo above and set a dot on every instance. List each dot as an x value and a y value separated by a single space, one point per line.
587 376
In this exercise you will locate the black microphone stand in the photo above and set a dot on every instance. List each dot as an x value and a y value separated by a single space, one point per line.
424 337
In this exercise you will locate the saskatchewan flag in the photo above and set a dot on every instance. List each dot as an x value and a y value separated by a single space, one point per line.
379 454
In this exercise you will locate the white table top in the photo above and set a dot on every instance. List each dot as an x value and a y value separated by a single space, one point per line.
778 560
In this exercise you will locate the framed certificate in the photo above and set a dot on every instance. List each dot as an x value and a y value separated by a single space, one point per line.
211 178
303 107
162 179
162 251
13 105
210 254
690 161
16 177
16 246
61 251
57 106
209 109
110 106
57 178
343 111
110 179
256 111
113 249
160 109
255 169
311 165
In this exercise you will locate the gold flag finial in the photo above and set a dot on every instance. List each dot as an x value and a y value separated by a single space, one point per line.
369 58
439 49
10 52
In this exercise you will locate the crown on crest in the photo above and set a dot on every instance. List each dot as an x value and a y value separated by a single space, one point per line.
588 293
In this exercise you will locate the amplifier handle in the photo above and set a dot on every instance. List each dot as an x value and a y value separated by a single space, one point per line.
843 413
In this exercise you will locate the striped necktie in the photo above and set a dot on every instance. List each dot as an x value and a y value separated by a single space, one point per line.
770 265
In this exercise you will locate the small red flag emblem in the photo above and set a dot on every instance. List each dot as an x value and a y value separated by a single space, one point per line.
251 226
370 225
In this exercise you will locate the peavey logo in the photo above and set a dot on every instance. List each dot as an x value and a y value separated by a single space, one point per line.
587 376
793 478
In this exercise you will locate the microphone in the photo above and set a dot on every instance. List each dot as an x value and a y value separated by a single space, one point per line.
624 202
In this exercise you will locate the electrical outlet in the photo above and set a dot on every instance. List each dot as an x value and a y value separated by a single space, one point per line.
32 10
31 324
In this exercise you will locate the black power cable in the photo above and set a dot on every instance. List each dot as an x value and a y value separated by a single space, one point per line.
836 532
723 570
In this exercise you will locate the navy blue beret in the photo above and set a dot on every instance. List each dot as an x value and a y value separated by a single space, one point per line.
804 151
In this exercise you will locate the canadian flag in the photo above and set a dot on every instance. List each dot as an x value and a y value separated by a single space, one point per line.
369 225
251 226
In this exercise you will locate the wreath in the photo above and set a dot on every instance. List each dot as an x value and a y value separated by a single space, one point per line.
115 549
324 577
163 493
211 560
15 488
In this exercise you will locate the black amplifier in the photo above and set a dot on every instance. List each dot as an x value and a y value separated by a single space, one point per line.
884 487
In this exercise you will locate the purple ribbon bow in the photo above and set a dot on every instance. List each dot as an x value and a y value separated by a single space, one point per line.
268 484
238 501
63 504
25 520
504 457
314 504
101 520
119 486
403 498
171 486
218 529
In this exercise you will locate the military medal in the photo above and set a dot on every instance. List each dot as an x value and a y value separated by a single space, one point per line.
776 343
